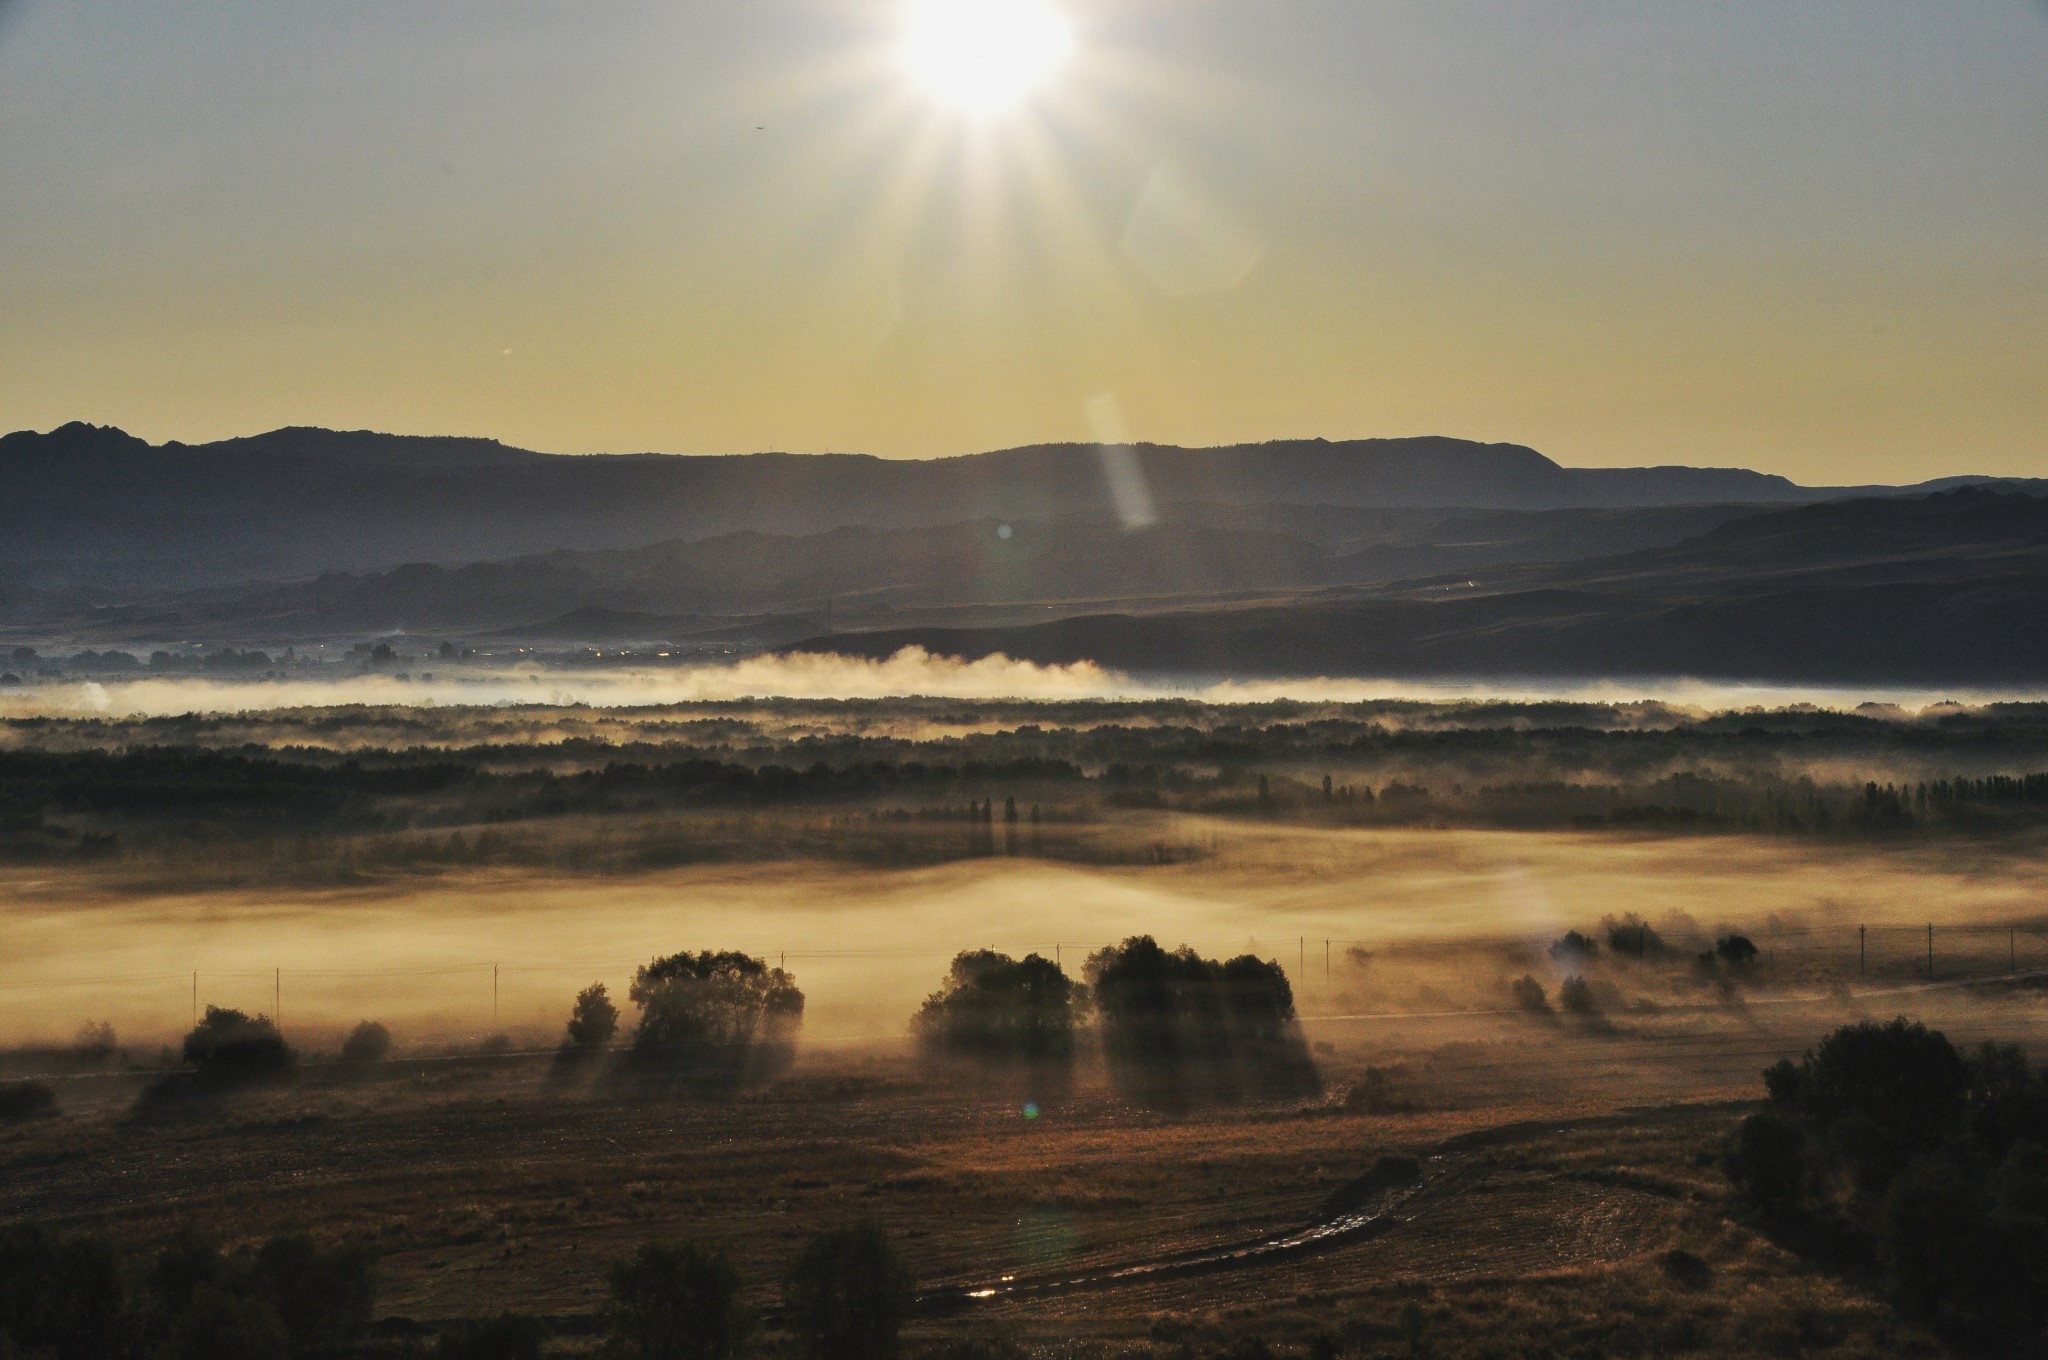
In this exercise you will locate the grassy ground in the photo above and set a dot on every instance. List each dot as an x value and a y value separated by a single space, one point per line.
1567 1163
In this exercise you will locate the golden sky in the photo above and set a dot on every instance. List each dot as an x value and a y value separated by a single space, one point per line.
1810 238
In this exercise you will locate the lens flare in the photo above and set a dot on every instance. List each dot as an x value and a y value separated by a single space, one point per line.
981 56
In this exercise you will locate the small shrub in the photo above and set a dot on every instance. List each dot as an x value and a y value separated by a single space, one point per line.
848 1295
95 1043
1575 995
228 1049
1686 1270
1574 948
219 1325
368 1042
1631 936
1737 952
323 1294
60 1296
675 1303
509 1336
1528 995
25 1100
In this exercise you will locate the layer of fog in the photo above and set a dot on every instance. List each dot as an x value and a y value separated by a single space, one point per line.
868 946
911 672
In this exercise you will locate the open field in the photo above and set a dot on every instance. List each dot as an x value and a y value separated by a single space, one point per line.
1564 1160
330 868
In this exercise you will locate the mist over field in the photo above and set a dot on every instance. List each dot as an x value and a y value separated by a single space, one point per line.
867 946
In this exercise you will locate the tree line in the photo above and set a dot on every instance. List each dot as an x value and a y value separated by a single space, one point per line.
846 1295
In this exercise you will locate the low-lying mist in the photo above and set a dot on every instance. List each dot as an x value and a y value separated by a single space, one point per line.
909 672
472 955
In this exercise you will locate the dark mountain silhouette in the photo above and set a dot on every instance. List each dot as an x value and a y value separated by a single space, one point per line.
666 589
93 506
1944 589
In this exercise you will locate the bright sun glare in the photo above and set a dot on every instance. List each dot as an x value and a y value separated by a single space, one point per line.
983 55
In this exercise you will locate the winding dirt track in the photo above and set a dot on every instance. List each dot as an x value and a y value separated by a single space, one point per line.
1442 1178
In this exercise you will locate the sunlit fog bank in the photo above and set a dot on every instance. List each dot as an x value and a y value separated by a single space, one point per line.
910 672
486 953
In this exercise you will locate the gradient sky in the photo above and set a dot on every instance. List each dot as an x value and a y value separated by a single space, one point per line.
1809 236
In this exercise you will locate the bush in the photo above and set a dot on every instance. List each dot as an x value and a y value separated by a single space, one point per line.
1737 952
1882 1093
994 1007
323 1294
1768 1163
26 1100
218 1325
1632 936
848 1295
95 1043
1575 995
368 1042
1930 1235
1574 948
228 1049
66 1295
594 1020
1946 1157
1528 995
675 1303
509 1336
1686 1270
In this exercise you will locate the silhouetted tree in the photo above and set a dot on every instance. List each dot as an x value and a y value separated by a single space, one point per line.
95 1043
1574 948
594 1020
368 1042
228 1049
1630 935
1178 1027
992 1006
848 1295
718 1016
1738 952
1575 995
675 1302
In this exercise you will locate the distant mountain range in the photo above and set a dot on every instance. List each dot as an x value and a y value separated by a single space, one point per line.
1945 589
92 505
1397 556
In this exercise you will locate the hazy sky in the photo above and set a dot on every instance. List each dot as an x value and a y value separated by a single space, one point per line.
1804 235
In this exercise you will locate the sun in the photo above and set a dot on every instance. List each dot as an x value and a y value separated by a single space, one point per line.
982 56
